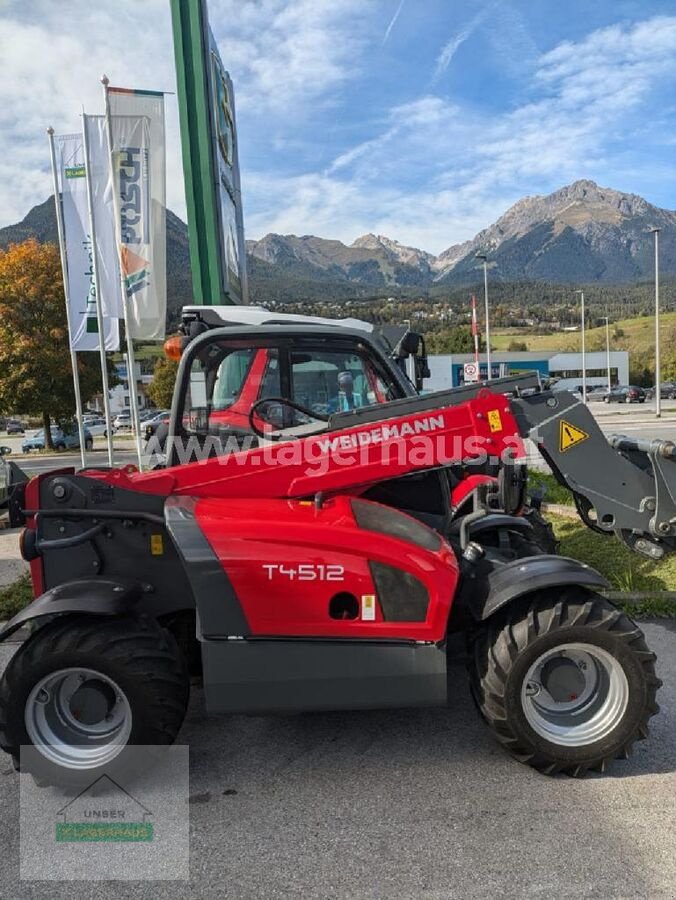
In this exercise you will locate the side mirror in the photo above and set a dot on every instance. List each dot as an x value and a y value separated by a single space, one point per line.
408 346
5 451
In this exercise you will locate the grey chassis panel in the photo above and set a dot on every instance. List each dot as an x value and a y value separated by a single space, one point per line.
622 493
259 676
89 596
524 576
219 613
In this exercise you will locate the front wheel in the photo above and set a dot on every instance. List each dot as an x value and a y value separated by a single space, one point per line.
89 445
566 684
82 690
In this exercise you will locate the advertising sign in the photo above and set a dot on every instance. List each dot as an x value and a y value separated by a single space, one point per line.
71 171
210 161
139 166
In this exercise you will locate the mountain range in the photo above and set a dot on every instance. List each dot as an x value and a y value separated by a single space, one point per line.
581 233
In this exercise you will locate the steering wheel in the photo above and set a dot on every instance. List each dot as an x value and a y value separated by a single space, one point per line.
281 401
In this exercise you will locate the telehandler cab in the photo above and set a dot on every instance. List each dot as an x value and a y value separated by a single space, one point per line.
312 568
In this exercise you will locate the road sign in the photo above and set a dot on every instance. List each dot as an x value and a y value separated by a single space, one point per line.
471 371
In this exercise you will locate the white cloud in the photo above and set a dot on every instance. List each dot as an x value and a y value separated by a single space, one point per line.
49 71
437 172
393 21
285 58
283 55
432 172
454 43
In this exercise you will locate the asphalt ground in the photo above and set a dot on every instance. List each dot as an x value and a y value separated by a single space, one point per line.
403 804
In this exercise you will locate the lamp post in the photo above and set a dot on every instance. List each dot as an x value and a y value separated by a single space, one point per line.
658 373
607 350
584 352
484 258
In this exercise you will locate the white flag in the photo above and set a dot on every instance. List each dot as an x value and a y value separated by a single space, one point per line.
72 183
107 259
139 170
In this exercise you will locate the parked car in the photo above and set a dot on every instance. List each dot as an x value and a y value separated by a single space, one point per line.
629 393
96 426
122 421
151 426
15 427
667 391
62 439
598 392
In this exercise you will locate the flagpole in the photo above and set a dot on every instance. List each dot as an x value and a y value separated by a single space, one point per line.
97 289
64 271
475 333
131 361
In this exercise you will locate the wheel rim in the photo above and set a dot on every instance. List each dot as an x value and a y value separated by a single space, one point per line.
78 718
575 694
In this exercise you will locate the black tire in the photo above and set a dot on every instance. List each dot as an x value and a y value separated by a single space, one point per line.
506 649
89 444
139 656
59 448
543 532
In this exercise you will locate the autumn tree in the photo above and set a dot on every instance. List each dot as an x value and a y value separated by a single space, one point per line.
35 370
161 388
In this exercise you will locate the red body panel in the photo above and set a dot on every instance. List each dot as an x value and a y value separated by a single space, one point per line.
465 488
286 559
343 460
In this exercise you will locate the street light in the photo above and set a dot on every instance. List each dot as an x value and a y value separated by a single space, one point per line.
483 257
584 352
658 374
607 350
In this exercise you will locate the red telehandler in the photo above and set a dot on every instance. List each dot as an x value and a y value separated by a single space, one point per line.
304 563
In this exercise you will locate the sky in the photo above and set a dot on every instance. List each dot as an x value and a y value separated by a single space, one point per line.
423 120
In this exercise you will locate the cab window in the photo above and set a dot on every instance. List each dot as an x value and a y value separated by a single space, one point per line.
329 382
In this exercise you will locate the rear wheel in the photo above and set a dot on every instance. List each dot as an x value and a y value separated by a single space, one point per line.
566 684
81 691
89 443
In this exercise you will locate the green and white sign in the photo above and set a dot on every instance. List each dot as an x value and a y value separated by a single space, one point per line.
210 160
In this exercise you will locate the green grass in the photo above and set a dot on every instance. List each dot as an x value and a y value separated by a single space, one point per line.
638 337
549 487
624 569
15 596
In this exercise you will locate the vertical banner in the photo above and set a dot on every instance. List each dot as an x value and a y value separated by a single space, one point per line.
206 106
79 251
107 259
139 179
226 165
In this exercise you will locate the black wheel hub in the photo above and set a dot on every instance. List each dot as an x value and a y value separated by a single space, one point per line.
562 679
92 702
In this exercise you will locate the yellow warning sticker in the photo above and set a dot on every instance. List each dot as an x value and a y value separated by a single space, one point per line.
570 436
368 607
494 420
156 544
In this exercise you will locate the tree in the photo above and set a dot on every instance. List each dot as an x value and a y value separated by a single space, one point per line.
161 388
35 371
518 347
452 340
